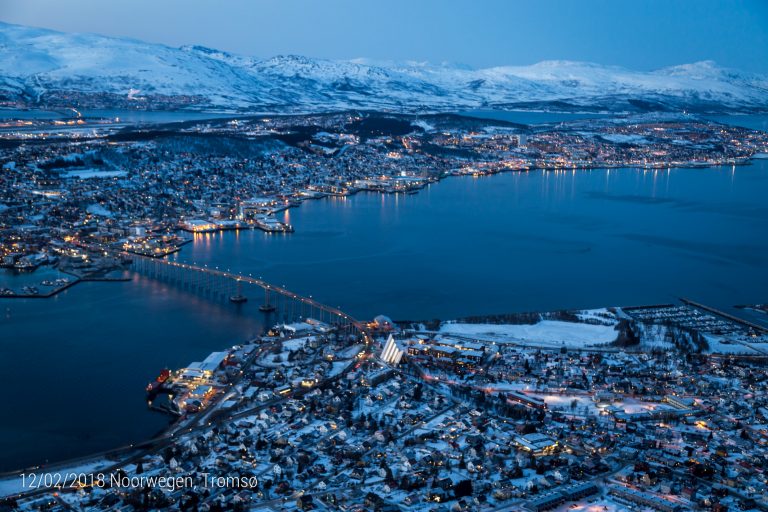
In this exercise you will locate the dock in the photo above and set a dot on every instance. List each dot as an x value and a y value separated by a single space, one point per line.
741 321
51 293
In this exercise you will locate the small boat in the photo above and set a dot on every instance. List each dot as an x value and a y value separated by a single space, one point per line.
266 308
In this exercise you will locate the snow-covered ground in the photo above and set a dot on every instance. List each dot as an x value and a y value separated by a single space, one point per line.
625 139
36 61
599 315
93 173
597 504
547 333
97 209
562 403
717 345
653 336
509 386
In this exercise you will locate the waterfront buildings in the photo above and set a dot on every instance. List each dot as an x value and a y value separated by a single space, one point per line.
315 420
632 405
83 193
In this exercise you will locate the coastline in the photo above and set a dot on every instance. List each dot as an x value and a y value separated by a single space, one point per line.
408 191
115 458
446 176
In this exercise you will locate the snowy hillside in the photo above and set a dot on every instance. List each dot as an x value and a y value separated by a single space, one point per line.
46 68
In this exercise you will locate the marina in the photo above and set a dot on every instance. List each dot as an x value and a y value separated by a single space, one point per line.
45 290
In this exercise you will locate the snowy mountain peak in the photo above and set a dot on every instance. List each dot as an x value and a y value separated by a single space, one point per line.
292 60
204 50
40 67
702 70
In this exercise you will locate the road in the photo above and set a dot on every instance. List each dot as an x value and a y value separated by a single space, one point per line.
157 444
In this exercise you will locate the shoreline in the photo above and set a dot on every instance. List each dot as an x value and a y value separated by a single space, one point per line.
77 279
178 425
408 191
324 197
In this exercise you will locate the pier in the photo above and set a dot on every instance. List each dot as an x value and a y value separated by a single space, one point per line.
746 323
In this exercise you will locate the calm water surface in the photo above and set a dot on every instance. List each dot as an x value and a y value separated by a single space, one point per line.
77 364
531 117
751 121
521 241
74 366
132 116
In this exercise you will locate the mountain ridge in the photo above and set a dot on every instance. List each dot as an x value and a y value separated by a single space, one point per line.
41 67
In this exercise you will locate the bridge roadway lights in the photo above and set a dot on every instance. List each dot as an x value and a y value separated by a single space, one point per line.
214 283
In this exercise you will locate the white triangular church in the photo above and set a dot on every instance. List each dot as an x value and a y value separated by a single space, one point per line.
392 354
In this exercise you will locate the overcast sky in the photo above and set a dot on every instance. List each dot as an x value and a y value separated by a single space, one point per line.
633 33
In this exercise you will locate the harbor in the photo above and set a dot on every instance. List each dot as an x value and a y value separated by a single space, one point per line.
389 253
44 281
202 385
25 285
192 389
46 288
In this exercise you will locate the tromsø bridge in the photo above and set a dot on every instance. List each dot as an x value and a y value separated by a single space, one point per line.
216 284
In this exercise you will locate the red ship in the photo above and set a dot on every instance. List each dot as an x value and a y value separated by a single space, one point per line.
157 384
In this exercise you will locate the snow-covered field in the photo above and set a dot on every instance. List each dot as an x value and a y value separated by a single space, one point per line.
547 333
717 346
632 406
562 403
621 138
594 505
93 173
97 209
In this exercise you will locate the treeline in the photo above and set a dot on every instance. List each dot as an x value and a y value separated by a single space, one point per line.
628 335
525 318
509 318
685 339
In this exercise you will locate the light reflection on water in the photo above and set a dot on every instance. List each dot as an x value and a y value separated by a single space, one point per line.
466 246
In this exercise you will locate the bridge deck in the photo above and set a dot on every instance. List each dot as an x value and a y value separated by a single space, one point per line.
143 263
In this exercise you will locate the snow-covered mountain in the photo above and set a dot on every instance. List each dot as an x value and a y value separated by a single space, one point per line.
41 67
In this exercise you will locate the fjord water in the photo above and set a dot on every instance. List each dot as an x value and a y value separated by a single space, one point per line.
521 241
531 117
751 121
75 366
